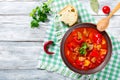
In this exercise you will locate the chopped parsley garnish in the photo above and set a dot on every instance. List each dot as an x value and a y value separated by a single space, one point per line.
83 49
39 14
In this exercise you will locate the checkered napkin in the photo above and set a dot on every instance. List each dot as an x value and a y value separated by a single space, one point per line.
56 31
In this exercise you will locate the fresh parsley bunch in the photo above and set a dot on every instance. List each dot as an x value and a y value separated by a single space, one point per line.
39 14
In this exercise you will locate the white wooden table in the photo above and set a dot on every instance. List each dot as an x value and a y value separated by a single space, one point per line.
20 45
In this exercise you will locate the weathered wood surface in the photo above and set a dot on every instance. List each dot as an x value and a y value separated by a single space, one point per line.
19 55
17 28
19 8
29 75
20 45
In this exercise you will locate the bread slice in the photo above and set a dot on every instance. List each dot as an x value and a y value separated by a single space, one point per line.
69 15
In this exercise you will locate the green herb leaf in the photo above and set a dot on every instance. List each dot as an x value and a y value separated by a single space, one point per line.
43 17
45 8
34 23
39 14
84 45
83 49
94 5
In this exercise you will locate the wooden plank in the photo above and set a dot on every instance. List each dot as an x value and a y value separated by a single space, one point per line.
17 28
19 55
25 7
114 32
17 7
29 75
18 64
20 0
21 34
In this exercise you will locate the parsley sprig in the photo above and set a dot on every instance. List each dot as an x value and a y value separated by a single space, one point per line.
40 13
83 49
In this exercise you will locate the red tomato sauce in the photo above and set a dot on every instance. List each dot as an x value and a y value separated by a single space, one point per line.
85 48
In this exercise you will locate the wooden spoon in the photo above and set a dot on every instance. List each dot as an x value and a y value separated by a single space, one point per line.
103 23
